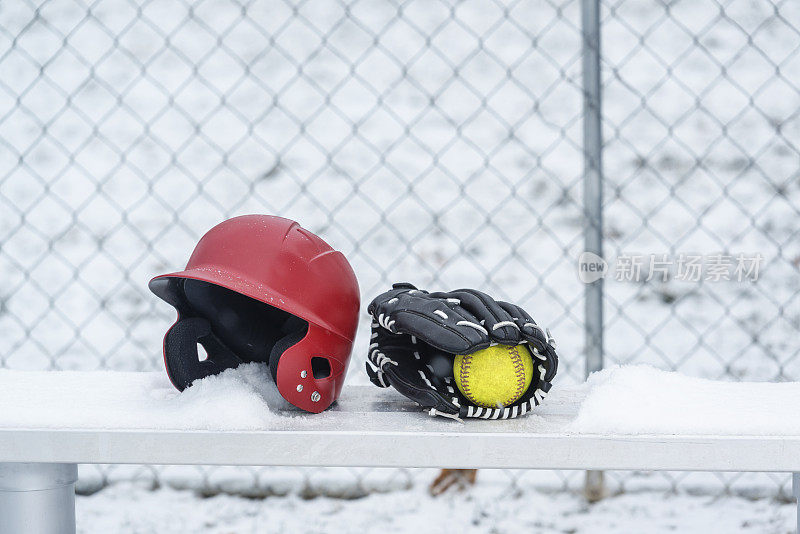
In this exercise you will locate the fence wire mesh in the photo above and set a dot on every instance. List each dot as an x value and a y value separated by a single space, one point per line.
436 142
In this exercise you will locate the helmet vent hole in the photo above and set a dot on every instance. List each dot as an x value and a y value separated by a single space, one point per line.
202 355
320 367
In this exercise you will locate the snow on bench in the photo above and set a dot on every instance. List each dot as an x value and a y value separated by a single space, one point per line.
622 418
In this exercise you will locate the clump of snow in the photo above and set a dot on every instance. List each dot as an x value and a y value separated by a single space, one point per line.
645 400
234 399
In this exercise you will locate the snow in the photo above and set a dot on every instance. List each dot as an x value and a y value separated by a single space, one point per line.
643 400
126 508
620 400
235 399
118 153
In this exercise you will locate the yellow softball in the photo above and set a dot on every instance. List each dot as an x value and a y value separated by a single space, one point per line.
494 377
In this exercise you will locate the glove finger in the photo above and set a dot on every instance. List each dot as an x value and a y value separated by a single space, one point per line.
441 327
406 296
546 357
553 367
403 298
537 337
497 321
525 322
379 379
380 302
435 321
419 385
454 303
374 343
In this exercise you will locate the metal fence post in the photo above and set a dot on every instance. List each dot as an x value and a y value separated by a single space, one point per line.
592 201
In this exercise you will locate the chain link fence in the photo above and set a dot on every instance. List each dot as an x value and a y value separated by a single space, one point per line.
435 142
702 131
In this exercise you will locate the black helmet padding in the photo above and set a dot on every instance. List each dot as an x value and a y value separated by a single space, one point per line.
231 327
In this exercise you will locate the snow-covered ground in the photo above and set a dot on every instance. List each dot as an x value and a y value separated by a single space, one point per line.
436 142
126 508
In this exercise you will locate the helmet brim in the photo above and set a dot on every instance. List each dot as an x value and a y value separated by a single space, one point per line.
171 293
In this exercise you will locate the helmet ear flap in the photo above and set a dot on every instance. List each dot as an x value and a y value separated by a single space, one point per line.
181 355
295 329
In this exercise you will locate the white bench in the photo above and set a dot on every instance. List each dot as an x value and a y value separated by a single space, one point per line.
367 427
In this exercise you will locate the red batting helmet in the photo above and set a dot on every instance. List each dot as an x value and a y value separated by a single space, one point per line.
262 288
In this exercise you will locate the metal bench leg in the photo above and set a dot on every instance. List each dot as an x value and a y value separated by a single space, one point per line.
37 498
796 493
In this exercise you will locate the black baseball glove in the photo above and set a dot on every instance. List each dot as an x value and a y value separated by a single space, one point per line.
416 335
